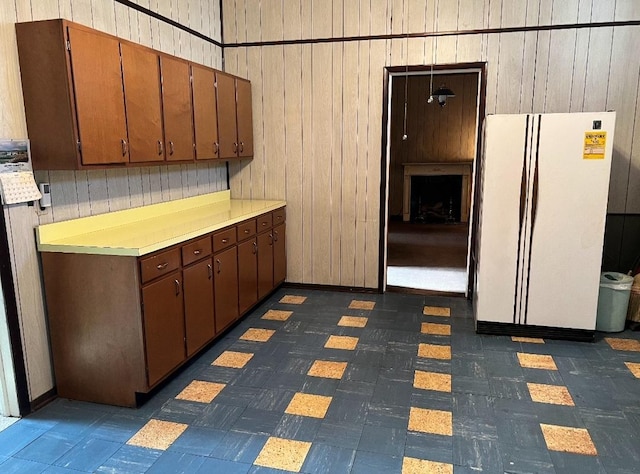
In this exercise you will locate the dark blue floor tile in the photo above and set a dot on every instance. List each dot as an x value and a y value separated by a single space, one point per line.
118 427
361 373
213 465
347 410
130 459
238 396
429 446
220 417
22 466
391 416
301 428
240 447
88 454
320 386
47 449
326 459
348 388
254 378
374 463
272 400
566 463
198 441
470 385
525 460
257 421
281 380
383 440
16 437
478 454
176 463
339 433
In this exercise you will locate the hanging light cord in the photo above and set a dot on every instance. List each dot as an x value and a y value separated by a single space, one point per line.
433 53
406 81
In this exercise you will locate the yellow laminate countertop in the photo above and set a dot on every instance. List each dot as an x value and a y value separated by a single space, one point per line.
142 230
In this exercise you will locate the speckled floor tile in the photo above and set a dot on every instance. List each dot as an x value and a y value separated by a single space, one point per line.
434 351
552 394
327 369
436 311
293 299
530 340
536 361
353 321
357 304
200 391
284 454
157 434
341 342
277 315
634 367
436 329
305 404
257 335
235 360
431 421
432 381
423 466
568 440
620 344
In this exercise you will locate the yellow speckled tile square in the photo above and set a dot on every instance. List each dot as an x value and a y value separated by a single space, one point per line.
356 304
436 329
422 466
431 421
353 321
530 340
199 391
620 344
434 351
568 440
327 369
293 299
536 361
342 342
285 454
436 311
634 367
276 315
432 381
304 404
257 335
553 394
157 434
235 360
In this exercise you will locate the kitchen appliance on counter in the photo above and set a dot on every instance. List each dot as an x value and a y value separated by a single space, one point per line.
542 209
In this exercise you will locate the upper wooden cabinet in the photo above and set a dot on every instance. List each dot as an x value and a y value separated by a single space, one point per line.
234 116
94 100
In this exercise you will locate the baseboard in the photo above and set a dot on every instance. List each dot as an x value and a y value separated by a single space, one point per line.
44 399
346 289
544 332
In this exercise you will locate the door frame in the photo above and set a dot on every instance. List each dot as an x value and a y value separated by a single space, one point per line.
389 71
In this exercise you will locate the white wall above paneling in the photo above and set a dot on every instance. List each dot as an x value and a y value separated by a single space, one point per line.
82 193
333 101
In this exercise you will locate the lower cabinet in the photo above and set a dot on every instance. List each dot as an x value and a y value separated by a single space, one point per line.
247 274
225 282
199 322
265 263
163 326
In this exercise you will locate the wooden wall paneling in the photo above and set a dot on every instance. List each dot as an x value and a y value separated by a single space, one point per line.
271 21
470 17
64 195
104 16
44 9
513 13
64 9
528 60
275 176
580 58
177 186
143 23
397 15
510 71
136 192
252 19
164 30
23 10
118 189
622 97
29 298
229 11
257 165
307 160
190 179
152 184
543 46
82 190
122 21
12 118
633 197
98 191
627 10
215 26
416 21
446 20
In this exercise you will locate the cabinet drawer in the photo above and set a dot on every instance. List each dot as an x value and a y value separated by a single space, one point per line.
246 229
196 250
279 216
159 264
224 238
264 222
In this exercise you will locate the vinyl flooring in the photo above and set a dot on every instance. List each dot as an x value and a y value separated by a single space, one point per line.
328 382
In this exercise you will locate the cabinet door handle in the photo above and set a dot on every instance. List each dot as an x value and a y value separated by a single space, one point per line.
224 241
177 287
241 147
162 266
197 252
216 147
235 147
125 146
270 239
218 262
160 147
171 148
255 248
275 235
210 269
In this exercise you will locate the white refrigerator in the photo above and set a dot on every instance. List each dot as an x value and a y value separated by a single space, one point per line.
542 205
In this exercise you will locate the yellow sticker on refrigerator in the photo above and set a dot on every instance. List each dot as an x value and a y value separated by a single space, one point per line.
594 145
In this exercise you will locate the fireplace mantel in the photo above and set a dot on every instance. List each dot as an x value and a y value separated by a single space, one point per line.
462 168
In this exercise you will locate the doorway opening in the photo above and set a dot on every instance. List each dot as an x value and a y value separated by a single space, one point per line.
429 167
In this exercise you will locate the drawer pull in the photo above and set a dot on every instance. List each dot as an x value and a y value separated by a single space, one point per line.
197 252
264 224
177 287
246 231
210 268
218 262
224 241
255 248
162 266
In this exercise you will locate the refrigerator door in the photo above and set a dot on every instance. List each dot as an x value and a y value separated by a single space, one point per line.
567 221
499 228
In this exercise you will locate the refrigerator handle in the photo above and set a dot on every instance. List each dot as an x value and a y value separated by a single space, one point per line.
534 203
523 195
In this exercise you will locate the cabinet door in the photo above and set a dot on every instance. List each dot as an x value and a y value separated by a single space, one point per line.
247 274
176 105
227 121
225 280
99 99
198 305
163 326
205 116
245 118
265 264
141 74
279 254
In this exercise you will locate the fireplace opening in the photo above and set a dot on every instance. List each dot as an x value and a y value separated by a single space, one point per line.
436 199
